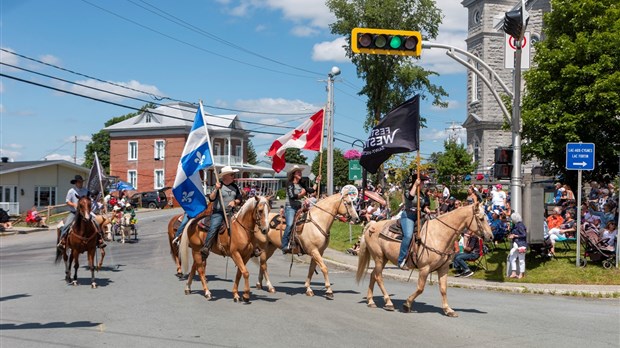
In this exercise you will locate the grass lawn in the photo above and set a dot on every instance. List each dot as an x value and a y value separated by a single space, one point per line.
561 270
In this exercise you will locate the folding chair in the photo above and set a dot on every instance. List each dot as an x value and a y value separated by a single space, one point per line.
481 261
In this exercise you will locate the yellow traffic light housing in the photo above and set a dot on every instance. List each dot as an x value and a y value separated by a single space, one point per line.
386 41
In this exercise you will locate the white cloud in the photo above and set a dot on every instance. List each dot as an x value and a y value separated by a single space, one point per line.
313 13
330 51
303 31
275 105
260 28
8 58
11 154
50 59
56 156
263 136
15 146
452 104
2 109
124 92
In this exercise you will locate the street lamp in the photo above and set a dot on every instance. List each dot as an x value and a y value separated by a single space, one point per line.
330 129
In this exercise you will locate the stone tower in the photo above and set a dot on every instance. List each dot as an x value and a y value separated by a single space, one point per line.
485 39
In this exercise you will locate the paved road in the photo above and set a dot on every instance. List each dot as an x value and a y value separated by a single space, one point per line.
140 303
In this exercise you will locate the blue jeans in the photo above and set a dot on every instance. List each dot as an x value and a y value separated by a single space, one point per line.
182 226
289 215
407 221
216 222
67 224
459 263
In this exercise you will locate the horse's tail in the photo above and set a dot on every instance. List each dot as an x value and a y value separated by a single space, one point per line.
58 251
184 248
363 257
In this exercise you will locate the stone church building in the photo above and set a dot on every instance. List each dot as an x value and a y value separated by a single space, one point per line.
486 40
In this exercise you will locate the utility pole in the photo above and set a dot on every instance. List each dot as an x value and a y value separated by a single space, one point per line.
75 149
330 129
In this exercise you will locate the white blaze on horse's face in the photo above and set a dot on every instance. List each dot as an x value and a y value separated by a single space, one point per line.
348 209
263 214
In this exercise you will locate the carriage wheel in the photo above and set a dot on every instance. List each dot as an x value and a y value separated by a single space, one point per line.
607 264
582 262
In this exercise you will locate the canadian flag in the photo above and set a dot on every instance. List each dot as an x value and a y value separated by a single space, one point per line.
306 136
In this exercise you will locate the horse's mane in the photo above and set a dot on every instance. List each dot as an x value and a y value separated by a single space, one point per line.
249 204
457 209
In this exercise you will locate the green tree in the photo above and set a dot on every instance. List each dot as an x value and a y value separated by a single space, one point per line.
573 92
100 141
453 164
294 155
390 80
341 168
251 153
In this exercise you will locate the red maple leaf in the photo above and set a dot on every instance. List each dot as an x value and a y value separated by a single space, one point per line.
298 133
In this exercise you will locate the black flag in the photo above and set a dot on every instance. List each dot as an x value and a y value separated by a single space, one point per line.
397 132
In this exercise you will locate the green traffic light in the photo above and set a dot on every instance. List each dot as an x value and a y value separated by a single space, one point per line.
380 41
395 42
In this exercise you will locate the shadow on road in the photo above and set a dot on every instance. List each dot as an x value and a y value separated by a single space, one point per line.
52 325
13 297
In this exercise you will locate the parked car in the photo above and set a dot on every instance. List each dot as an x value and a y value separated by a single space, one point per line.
150 199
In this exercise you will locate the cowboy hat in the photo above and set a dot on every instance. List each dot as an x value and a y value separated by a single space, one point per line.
228 170
77 178
292 171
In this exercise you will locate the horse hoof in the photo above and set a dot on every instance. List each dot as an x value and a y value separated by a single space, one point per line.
74 283
309 293
93 285
372 305
272 290
259 286
187 291
452 314
389 307
246 299
236 299
208 296
179 275
406 309
329 295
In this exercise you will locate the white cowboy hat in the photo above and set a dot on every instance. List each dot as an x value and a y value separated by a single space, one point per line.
128 205
292 171
228 170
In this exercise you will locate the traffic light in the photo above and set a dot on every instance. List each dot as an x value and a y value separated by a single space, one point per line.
503 163
386 41
515 22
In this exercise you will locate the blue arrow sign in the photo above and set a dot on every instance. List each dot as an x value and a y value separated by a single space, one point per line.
579 156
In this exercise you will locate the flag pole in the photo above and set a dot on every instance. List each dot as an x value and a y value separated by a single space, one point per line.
321 157
100 173
217 177
417 161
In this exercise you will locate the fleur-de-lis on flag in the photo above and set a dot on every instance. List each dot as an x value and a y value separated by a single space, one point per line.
187 197
200 158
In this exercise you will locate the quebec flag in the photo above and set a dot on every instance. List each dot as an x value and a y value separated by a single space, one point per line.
187 189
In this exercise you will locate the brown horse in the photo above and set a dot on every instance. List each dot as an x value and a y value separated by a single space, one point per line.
314 237
434 253
81 238
173 226
239 245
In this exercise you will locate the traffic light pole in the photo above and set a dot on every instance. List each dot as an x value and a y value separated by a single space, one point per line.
515 177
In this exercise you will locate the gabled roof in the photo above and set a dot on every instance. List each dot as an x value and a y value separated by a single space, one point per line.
471 119
12 167
175 115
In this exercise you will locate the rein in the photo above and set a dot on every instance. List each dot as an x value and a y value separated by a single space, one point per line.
323 232
255 216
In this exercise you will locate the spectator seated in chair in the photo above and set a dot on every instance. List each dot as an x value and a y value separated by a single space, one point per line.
471 251
498 227
33 218
565 230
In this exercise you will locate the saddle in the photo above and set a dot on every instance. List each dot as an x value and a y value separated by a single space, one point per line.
393 231
301 217
277 223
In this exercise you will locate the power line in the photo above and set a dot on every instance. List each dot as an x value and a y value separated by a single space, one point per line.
154 96
192 45
214 37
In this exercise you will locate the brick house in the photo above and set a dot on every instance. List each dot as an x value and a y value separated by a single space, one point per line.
145 149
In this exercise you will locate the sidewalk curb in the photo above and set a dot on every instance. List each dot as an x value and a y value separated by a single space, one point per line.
610 292
23 230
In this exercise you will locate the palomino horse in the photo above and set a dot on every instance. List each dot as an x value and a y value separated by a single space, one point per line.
82 237
173 226
314 237
239 245
434 252
126 227
268 243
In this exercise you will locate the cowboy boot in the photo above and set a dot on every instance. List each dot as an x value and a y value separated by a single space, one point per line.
205 250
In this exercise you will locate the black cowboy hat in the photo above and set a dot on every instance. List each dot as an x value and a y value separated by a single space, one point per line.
76 179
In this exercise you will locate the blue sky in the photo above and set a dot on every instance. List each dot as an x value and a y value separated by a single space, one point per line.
130 43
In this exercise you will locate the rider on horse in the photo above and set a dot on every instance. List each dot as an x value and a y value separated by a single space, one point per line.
295 191
231 197
409 218
73 196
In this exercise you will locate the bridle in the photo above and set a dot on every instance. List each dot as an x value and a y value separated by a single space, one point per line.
335 216
256 215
